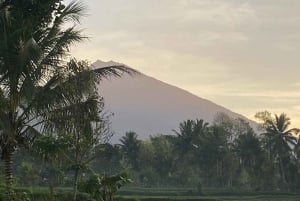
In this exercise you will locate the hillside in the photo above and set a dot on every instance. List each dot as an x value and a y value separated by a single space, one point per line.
148 106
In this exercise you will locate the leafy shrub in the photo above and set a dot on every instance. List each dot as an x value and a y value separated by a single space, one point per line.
14 196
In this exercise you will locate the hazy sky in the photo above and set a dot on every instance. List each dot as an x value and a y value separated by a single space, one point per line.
244 55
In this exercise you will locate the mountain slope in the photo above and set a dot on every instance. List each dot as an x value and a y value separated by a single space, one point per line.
149 106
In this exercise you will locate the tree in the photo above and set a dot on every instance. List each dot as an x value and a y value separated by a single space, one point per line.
130 146
189 135
34 77
28 174
297 149
248 148
163 158
82 122
251 157
107 159
188 145
103 187
227 124
262 118
214 148
280 140
34 42
50 149
79 123
109 185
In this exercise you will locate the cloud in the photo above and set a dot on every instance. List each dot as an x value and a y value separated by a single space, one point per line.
241 54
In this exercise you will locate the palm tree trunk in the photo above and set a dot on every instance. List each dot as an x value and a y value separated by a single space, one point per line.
8 159
52 181
283 174
75 184
51 189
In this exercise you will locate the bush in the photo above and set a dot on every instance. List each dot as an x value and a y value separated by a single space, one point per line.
14 196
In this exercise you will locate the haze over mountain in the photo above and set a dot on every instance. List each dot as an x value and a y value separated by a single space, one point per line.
148 106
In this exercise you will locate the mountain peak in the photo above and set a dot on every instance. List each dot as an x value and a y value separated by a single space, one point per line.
100 64
148 106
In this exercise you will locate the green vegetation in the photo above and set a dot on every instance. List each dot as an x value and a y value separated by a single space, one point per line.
48 101
226 154
54 132
224 161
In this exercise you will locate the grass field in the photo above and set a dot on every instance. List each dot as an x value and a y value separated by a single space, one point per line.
169 194
189 194
210 198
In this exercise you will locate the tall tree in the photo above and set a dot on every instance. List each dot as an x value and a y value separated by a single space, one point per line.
280 140
82 124
50 149
187 146
130 146
34 77
34 42
163 156
189 134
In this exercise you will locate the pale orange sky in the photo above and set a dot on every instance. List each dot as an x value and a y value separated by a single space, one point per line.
240 54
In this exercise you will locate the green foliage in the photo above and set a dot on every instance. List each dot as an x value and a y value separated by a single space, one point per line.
92 186
244 178
104 187
28 175
227 154
34 43
13 195
108 159
111 184
130 146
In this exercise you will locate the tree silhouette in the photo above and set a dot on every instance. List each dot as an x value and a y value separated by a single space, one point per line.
280 140
35 78
130 146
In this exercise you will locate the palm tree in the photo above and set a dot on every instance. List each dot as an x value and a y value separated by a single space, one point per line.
80 122
130 146
188 144
248 149
35 79
297 149
33 45
280 140
50 149
189 135
184 136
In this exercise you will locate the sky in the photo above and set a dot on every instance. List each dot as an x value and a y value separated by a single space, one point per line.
241 54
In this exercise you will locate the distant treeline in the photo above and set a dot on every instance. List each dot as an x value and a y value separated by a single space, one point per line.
227 153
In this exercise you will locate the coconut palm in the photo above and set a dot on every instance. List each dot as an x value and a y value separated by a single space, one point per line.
130 146
33 45
280 140
189 135
188 143
81 121
248 149
35 78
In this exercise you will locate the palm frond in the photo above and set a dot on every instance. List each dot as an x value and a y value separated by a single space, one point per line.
5 125
115 71
27 136
73 11
73 116
59 46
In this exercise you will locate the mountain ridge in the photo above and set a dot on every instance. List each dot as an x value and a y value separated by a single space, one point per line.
149 106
